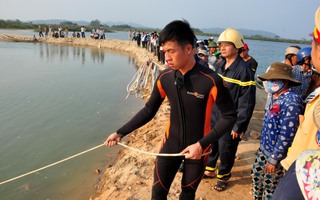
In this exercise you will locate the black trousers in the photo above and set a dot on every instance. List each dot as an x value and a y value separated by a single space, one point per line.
226 149
165 170
288 188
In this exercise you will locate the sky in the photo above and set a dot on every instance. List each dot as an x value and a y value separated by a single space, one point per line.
292 19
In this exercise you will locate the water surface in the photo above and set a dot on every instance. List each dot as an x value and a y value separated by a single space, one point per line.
57 101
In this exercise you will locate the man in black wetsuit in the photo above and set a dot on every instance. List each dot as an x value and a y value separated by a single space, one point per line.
192 90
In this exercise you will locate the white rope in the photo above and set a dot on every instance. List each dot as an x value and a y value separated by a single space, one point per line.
53 164
158 154
133 85
145 77
86 151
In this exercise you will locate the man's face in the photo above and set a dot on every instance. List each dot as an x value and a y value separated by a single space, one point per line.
244 53
212 50
227 49
203 57
294 60
175 55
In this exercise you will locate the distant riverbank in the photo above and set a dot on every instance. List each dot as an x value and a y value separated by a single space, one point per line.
125 46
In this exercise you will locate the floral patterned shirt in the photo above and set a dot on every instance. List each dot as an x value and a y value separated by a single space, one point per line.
280 124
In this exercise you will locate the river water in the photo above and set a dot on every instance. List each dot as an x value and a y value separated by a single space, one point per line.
57 101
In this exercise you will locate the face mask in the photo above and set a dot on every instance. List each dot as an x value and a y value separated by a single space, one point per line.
274 86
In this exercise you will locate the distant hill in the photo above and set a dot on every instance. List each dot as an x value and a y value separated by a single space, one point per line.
217 31
245 32
123 23
58 21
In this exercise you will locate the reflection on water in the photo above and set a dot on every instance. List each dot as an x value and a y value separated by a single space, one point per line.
97 55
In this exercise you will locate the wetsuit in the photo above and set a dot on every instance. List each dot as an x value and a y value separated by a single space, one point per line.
191 97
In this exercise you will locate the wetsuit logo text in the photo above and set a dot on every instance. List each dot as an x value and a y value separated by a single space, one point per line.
196 94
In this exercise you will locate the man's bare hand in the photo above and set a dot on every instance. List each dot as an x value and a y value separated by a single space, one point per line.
193 151
235 135
112 140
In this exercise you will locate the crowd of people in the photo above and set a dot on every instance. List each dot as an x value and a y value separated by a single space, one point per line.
149 41
49 32
212 93
59 32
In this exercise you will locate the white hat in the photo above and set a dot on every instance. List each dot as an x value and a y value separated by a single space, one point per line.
203 51
200 41
292 50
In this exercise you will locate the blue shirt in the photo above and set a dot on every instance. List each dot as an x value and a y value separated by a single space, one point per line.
280 124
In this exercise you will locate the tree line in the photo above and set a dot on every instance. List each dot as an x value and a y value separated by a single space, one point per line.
71 26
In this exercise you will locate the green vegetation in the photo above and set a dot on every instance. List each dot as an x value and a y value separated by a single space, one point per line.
278 39
95 23
17 24
263 38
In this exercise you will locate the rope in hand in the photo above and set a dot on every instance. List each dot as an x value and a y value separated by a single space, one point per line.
86 151
159 154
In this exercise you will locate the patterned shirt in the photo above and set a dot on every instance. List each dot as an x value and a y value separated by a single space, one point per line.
280 124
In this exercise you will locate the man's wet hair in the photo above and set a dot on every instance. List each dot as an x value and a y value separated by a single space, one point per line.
178 31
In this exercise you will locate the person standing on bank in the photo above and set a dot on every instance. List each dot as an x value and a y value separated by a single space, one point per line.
303 71
307 138
239 79
192 89
249 59
280 124
212 58
83 30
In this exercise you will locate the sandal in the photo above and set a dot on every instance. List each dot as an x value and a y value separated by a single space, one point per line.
220 185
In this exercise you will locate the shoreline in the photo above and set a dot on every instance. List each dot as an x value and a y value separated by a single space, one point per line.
125 46
131 176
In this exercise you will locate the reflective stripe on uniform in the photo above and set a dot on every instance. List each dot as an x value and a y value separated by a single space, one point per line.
235 81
